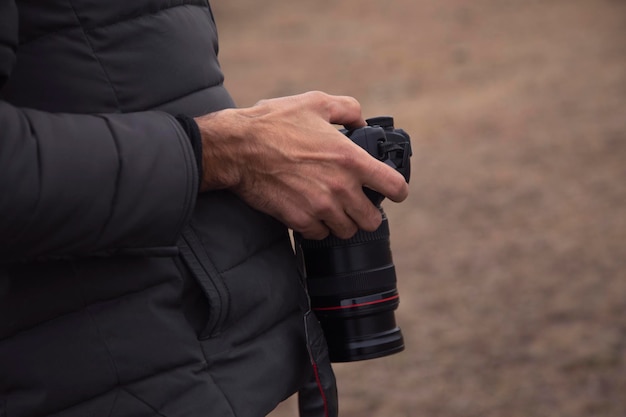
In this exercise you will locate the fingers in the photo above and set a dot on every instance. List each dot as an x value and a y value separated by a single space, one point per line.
287 148
341 225
346 111
346 212
327 215
314 231
341 110
333 214
365 214
378 176
392 184
384 179
319 230
342 228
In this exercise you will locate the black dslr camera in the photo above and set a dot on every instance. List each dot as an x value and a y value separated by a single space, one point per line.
352 282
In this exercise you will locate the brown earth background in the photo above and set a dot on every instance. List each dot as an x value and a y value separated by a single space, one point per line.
511 249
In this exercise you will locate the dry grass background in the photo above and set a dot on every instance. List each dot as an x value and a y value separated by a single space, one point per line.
511 249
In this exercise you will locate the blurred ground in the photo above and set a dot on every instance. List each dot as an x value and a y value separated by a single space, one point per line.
511 249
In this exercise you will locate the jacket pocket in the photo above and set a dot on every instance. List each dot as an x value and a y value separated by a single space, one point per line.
210 280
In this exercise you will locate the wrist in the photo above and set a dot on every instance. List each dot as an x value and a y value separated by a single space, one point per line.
219 156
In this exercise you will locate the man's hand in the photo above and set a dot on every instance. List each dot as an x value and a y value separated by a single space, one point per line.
283 157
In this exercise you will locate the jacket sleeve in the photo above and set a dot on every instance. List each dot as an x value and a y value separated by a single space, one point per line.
74 185
81 184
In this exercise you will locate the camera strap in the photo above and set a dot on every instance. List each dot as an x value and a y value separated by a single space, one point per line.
318 397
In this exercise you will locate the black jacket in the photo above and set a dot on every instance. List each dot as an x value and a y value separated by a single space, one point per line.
122 291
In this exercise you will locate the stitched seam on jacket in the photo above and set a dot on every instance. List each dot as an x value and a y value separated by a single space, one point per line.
85 34
200 4
141 400
187 94
93 52
263 248
254 337
94 323
79 310
92 28
122 386
206 366
230 404
117 394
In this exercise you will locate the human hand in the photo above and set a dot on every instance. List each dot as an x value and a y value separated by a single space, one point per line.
283 157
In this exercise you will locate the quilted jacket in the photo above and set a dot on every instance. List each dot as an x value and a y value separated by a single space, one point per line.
124 292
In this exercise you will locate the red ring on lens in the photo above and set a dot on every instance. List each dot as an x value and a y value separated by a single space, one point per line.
356 305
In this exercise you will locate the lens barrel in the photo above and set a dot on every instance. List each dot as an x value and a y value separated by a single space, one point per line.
352 285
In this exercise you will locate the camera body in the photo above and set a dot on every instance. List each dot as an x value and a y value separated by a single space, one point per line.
352 282
387 144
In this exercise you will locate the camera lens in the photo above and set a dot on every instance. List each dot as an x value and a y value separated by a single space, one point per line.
352 285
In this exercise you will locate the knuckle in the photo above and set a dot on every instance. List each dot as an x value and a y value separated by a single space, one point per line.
337 187
324 206
346 232
353 102
373 221
347 159
316 96
369 217
316 233
299 222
